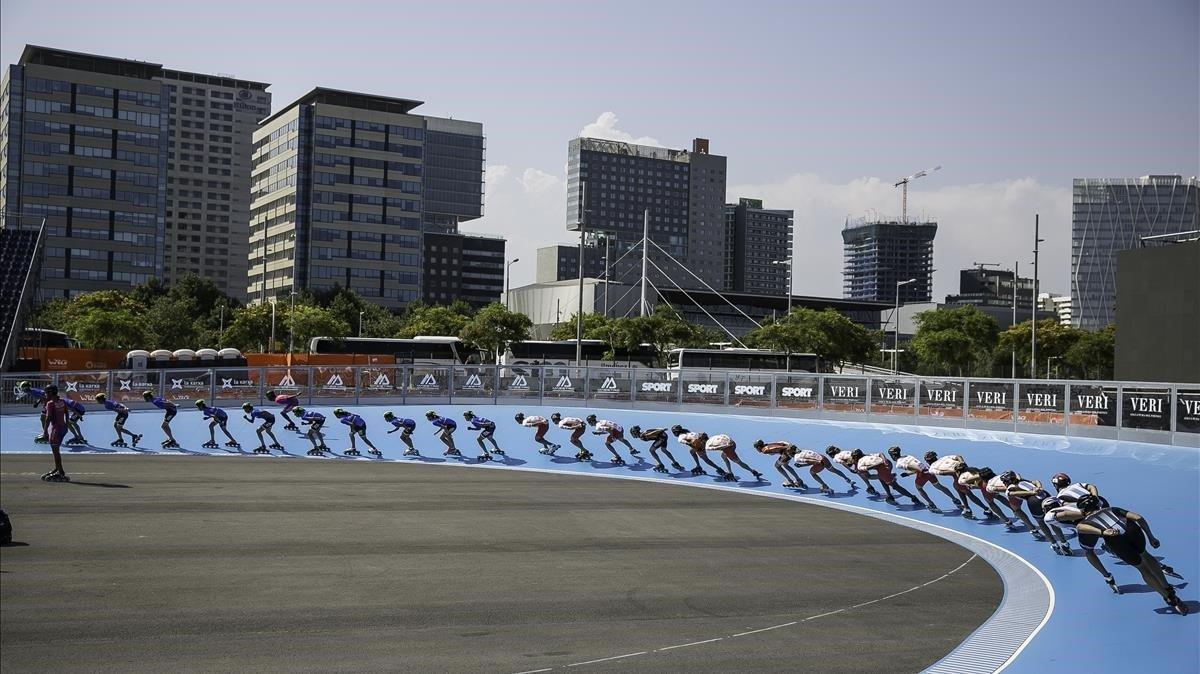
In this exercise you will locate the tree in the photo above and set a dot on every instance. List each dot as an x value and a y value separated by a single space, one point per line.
1054 340
170 323
595 326
305 322
422 319
1092 355
345 305
494 327
950 341
664 329
250 328
828 334
105 319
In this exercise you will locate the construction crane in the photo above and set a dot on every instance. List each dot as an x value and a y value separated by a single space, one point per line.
903 183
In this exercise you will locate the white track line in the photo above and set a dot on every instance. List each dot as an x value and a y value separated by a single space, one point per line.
694 643
615 657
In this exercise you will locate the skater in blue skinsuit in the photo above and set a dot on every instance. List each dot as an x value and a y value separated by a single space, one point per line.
487 429
118 424
358 427
406 427
220 418
268 420
445 431
170 409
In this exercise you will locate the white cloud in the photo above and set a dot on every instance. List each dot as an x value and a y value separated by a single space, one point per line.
605 128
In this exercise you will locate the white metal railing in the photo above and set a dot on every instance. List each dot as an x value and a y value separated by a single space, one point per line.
1145 411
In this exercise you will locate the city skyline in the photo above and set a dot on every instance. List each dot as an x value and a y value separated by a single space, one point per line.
1014 102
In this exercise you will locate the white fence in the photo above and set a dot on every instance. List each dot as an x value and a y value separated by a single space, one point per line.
1140 411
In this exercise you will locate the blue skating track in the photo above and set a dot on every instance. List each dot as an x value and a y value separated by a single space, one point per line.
1088 628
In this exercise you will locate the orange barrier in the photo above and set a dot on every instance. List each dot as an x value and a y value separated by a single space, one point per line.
55 359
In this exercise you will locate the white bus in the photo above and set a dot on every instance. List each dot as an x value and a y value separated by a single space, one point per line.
740 359
420 350
562 354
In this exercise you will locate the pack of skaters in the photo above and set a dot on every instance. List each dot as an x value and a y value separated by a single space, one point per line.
1125 534
613 432
315 422
911 465
974 478
845 457
657 437
783 452
487 431
405 428
217 418
540 426
881 466
951 466
251 414
1020 491
122 415
290 402
577 427
817 462
169 411
444 428
358 430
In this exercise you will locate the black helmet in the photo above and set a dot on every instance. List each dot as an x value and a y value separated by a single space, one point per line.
759 444
1050 503
856 454
678 430
270 395
986 473
24 386
200 403
520 417
388 416
298 410
339 412
468 415
246 407
831 450
1088 503
894 452
556 417
635 431
51 390
100 397
431 414
145 394
1008 477
591 419
1060 480
930 456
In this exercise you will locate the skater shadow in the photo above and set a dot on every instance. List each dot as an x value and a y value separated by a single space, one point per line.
607 464
754 484
105 485
841 494
92 449
563 459
1135 588
144 450
510 461
640 466
14 544
1192 607
426 459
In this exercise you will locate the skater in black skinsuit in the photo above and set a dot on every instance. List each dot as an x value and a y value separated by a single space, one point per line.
657 437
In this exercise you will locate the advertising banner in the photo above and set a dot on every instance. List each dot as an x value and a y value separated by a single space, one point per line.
1041 403
893 396
523 382
1187 411
428 382
990 400
381 381
474 382
1146 408
1093 405
128 385
180 385
83 386
941 398
333 382
295 380
656 386
564 382
797 391
608 384
14 397
703 387
845 394
751 390
239 384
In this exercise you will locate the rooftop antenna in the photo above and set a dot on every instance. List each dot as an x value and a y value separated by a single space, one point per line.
903 184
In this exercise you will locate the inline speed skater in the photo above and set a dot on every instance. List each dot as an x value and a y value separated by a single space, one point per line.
75 412
951 466
268 422
487 431
1030 493
728 448
577 427
783 452
696 444
882 467
38 396
290 401
615 433
169 411
218 418
54 427
846 459
816 463
315 422
657 437
541 424
406 428
911 465
358 427
118 423
444 428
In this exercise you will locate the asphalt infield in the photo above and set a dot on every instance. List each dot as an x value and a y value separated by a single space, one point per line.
265 564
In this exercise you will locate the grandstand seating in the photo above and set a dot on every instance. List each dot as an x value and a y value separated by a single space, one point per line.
19 259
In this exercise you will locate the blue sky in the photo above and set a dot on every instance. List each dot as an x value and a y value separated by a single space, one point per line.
819 106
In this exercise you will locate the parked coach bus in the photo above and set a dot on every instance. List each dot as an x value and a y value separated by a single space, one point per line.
740 359
562 354
421 350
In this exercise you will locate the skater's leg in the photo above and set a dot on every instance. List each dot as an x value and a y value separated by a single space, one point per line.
974 499
928 501
1153 575
259 432
482 448
225 430
824 487
835 471
704 455
696 458
368 441
902 491
608 445
780 464
795 475
945 490
404 437
272 434
312 437
1020 513
669 455
212 431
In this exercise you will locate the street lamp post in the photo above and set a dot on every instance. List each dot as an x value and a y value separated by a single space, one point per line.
896 314
1048 361
790 262
360 322
292 322
272 348
508 280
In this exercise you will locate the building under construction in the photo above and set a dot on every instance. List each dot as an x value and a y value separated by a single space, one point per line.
880 255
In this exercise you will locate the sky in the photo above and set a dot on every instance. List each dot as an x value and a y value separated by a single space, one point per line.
820 107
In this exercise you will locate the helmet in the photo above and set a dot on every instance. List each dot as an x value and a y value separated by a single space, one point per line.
678 430
339 412
894 452
519 416
147 394
831 450
759 444
100 397
468 415
200 403
635 431
1008 477
591 419
51 390
1089 503
1060 480
431 414
930 456
270 395
1051 503
246 407
388 416
986 473
856 454
555 417
24 386
298 410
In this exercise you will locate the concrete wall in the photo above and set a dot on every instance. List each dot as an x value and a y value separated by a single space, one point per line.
1158 313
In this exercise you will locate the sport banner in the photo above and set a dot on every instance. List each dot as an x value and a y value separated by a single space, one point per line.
523 381
82 386
381 381
941 398
750 390
333 382
893 396
179 385
474 382
990 400
1093 405
1146 408
128 385
656 386
1187 411
564 382
797 391
608 384
1041 403
238 384
845 394
700 386
432 382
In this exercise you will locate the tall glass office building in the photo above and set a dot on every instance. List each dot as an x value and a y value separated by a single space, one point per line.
1114 214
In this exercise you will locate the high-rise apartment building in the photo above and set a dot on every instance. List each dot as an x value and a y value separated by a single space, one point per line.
983 287
83 144
758 248
1111 215
879 255
342 195
683 191
462 266
211 128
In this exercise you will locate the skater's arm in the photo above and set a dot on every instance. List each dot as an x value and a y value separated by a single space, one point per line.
1144 524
